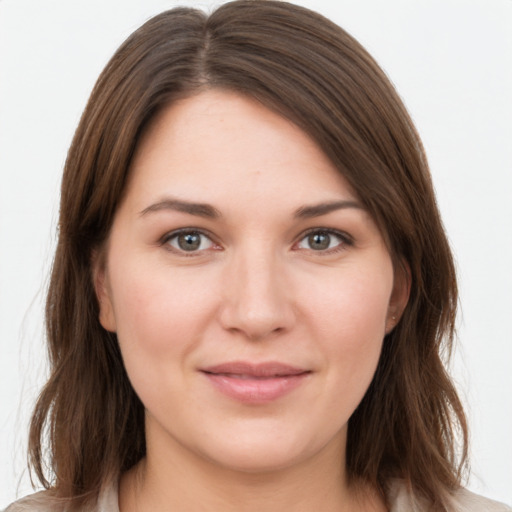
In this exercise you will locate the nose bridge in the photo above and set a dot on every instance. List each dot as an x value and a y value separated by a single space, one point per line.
256 301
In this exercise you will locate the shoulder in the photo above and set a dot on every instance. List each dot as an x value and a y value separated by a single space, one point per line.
39 502
466 501
403 500
44 501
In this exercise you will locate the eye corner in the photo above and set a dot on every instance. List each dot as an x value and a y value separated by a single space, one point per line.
327 240
193 242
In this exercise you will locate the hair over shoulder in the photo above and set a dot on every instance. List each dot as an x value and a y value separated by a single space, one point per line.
88 424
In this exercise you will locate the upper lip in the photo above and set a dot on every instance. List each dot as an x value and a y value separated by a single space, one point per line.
266 369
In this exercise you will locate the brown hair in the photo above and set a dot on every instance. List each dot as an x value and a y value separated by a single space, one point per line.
309 70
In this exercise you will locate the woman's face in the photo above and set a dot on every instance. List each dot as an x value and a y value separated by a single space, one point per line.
249 288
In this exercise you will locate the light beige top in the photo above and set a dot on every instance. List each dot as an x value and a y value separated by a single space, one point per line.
400 499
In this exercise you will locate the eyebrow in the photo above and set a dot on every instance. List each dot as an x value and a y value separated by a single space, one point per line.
209 211
199 209
317 210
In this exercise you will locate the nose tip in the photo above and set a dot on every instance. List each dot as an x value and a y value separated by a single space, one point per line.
256 303
253 323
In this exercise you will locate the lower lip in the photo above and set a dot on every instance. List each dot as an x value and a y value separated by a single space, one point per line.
256 391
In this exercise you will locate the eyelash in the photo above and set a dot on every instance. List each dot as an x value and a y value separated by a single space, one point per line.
164 241
345 240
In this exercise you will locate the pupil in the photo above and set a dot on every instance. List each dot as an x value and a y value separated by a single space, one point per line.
319 241
189 241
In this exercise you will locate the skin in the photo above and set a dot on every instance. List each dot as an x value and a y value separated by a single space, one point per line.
258 288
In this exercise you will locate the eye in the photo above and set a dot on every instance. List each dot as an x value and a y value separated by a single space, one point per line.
189 241
324 240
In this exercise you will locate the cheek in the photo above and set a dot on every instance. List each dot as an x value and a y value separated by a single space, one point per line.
355 305
160 318
159 312
351 322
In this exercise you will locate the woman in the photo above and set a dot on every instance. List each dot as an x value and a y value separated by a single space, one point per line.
252 286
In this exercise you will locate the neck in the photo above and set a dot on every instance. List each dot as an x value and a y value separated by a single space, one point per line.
166 481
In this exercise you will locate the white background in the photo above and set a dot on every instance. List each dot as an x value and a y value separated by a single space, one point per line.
451 62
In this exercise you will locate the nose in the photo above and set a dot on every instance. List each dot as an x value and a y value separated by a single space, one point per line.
257 300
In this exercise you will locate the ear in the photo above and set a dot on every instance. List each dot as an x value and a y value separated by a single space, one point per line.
399 295
103 293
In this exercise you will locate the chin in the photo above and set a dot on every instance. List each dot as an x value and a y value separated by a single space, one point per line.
257 460
268 450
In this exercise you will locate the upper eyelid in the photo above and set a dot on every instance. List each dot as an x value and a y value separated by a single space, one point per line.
346 242
175 232
342 234
164 242
346 237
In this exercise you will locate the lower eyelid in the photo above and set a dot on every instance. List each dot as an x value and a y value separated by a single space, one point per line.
344 239
168 237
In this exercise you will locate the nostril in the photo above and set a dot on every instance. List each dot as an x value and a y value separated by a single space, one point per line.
256 324
255 302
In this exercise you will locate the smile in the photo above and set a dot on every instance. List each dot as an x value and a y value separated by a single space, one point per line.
255 383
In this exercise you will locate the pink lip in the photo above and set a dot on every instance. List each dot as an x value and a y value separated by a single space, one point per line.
255 383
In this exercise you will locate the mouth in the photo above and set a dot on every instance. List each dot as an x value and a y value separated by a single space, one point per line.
255 383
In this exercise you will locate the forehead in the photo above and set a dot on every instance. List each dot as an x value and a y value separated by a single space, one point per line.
220 142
